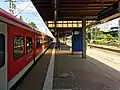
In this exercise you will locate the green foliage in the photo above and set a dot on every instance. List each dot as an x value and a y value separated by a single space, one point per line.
95 36
21 18
102 41
103 36
109 37
93 33
32 24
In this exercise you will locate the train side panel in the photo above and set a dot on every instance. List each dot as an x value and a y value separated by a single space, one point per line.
17 58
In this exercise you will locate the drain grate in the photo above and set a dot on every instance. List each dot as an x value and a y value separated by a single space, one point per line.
66 81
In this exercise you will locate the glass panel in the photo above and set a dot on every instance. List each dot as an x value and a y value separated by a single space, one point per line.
74 25
64 25
59 25
79 21
69 25
59 21
2 50
69 21
18 47
41 40
79 25
38 43
50 21
64 21
29 44
74 21
51 25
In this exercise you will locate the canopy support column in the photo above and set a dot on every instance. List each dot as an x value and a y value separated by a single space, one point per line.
84 37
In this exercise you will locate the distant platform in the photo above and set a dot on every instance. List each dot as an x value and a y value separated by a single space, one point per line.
106 47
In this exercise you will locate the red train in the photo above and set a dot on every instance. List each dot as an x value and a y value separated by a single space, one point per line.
20 46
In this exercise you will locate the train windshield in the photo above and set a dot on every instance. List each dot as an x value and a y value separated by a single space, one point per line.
2 50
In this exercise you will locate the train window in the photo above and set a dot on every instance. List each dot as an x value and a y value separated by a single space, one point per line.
2 50
29 44
45 40
41 40
37 43
18 47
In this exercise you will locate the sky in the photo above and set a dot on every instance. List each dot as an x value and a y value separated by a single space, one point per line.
28 12
108 25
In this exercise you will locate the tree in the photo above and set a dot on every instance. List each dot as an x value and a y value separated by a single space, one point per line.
32 24
103 36
95 32
88 34
109 37
21 18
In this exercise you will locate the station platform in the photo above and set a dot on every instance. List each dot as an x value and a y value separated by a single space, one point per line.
106 47
60 70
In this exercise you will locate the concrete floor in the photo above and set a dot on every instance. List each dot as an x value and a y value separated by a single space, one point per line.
82 74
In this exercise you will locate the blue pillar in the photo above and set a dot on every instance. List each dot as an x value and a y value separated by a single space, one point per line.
77 41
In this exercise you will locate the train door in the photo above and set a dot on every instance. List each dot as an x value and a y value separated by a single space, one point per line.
43 42
38 46
29 46
3 56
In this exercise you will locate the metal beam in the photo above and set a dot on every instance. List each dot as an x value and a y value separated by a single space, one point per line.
84 5
81 8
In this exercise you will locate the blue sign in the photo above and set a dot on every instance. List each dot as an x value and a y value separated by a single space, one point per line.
77 45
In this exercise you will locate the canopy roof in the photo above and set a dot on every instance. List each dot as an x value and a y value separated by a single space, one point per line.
71 9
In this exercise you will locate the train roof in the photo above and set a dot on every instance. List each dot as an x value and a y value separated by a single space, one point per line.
9 16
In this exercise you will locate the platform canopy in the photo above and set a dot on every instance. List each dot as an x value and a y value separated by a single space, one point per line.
71 9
